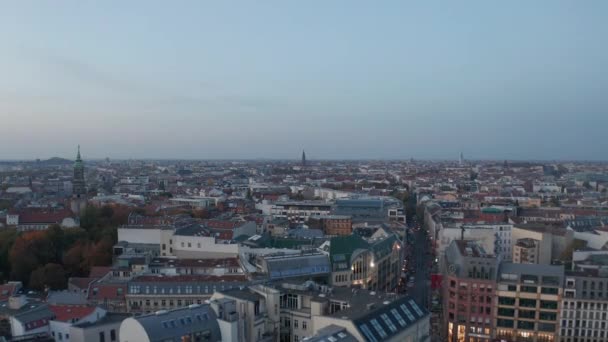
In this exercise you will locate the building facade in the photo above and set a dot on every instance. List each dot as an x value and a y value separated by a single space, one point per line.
528 302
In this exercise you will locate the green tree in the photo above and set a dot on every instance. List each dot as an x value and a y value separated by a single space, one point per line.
90 218
74 260
7 238
56 238
50 276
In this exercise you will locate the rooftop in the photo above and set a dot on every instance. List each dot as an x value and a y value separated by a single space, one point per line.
173 324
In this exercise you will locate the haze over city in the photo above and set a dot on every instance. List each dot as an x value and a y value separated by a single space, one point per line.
341 79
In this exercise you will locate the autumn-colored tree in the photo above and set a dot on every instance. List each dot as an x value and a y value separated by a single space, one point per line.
74 261
29 252
50 276
100 254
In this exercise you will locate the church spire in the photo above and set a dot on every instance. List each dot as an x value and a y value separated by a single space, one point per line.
78 155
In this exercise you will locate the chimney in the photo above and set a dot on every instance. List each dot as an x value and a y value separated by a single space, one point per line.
17 302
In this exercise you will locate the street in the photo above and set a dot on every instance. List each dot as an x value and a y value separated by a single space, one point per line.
421 263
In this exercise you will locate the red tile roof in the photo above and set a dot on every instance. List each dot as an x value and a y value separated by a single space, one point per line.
66 313
217 224
46 216
99 271
81 283
107 291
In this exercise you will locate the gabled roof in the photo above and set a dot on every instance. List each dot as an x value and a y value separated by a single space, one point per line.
390 319
67 313
166 325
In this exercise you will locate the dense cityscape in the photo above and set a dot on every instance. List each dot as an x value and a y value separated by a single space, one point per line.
303 250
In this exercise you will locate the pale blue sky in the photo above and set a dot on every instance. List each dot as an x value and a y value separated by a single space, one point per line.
343 79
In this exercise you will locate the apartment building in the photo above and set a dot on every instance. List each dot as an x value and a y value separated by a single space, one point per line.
585 307
300 211
150 293
294 312
332 225
470 278
552 240
526 251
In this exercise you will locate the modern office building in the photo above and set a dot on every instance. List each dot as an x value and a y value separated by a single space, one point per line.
528 300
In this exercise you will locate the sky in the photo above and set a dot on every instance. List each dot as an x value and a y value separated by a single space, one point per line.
345 79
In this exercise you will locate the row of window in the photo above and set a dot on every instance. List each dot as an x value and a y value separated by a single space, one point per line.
583 324
187 289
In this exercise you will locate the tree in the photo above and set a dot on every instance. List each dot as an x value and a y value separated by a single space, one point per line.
106 212
30 251
50 276
56 237
74 260
100 254
7 239
89 218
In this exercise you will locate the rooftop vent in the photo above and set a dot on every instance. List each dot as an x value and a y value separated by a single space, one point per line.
386 302
161 312
193 306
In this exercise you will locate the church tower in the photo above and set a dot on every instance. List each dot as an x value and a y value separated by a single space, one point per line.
303 158
79 200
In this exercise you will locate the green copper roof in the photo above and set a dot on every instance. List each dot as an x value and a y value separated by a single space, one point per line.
78 162
342 247
491 210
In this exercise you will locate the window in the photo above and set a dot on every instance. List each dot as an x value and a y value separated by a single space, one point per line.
506 301
529 289
303 325
389 323
407 312
378 328
295 323
296 338
102 336
416 308
367 333
60 336
189 245
549 290
506 312
112 335
528 303
398 317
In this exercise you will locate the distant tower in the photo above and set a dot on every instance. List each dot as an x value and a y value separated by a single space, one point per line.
303 158
79 200
461 161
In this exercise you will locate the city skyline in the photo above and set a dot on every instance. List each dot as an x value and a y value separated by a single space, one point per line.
515 81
